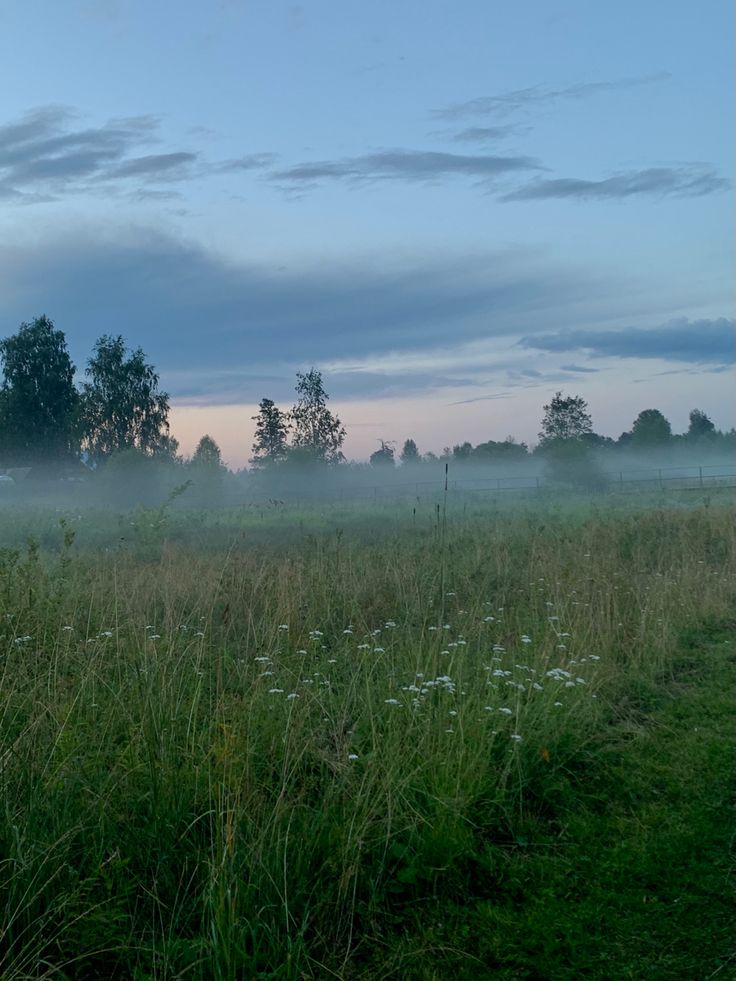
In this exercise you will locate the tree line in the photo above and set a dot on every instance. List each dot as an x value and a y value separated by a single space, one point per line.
48 420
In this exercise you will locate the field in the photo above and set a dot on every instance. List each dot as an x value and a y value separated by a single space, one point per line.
468 740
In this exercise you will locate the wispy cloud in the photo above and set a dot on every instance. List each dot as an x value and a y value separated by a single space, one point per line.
692 181
507 103
405 165
696 341
482 134
47 153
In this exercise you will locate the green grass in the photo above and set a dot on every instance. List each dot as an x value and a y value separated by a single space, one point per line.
169 812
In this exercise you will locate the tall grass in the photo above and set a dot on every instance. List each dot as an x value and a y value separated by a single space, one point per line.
248 761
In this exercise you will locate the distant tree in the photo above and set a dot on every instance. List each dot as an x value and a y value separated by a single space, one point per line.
383 457
122 407
650 429
566 417
700 426
38 401
316 431
506 451
272 429
207 456
409 452
461 452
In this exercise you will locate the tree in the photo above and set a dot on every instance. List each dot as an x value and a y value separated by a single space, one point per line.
461 452
700 426
383 457
650 429
565 418
272 428
207 456
315 429
507 451
38 400
409 452
122 406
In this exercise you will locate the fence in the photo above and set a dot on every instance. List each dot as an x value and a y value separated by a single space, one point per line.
625 481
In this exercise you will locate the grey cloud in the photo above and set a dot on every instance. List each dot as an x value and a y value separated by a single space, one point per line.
482 134
251 161
510 102
675 182
483 398
407 165
189 307
44 155
579 368
695 341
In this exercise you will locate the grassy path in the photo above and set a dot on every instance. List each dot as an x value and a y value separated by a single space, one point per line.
631 875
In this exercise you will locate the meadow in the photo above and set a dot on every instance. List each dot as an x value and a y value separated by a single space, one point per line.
468 739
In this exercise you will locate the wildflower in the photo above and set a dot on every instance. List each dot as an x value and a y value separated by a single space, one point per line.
347 631
67 628
558 704
379 650
262 658
353 756
516 737
290 697
506 711
525 639
392 701
283 626
275 691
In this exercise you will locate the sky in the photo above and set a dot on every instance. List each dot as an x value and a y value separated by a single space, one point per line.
451 209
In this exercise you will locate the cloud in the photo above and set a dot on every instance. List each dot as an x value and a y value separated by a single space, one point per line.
163 166
407 165
359 317
699 342
693 181
47 153
510 102
482 134
579 368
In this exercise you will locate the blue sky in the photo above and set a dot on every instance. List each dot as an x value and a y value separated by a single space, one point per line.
452 209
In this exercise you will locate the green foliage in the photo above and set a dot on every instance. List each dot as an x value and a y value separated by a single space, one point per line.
701 427
383 457
315 429
507 451
123 408
38 400
409 452
272 430
650 430
207 456
566 417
